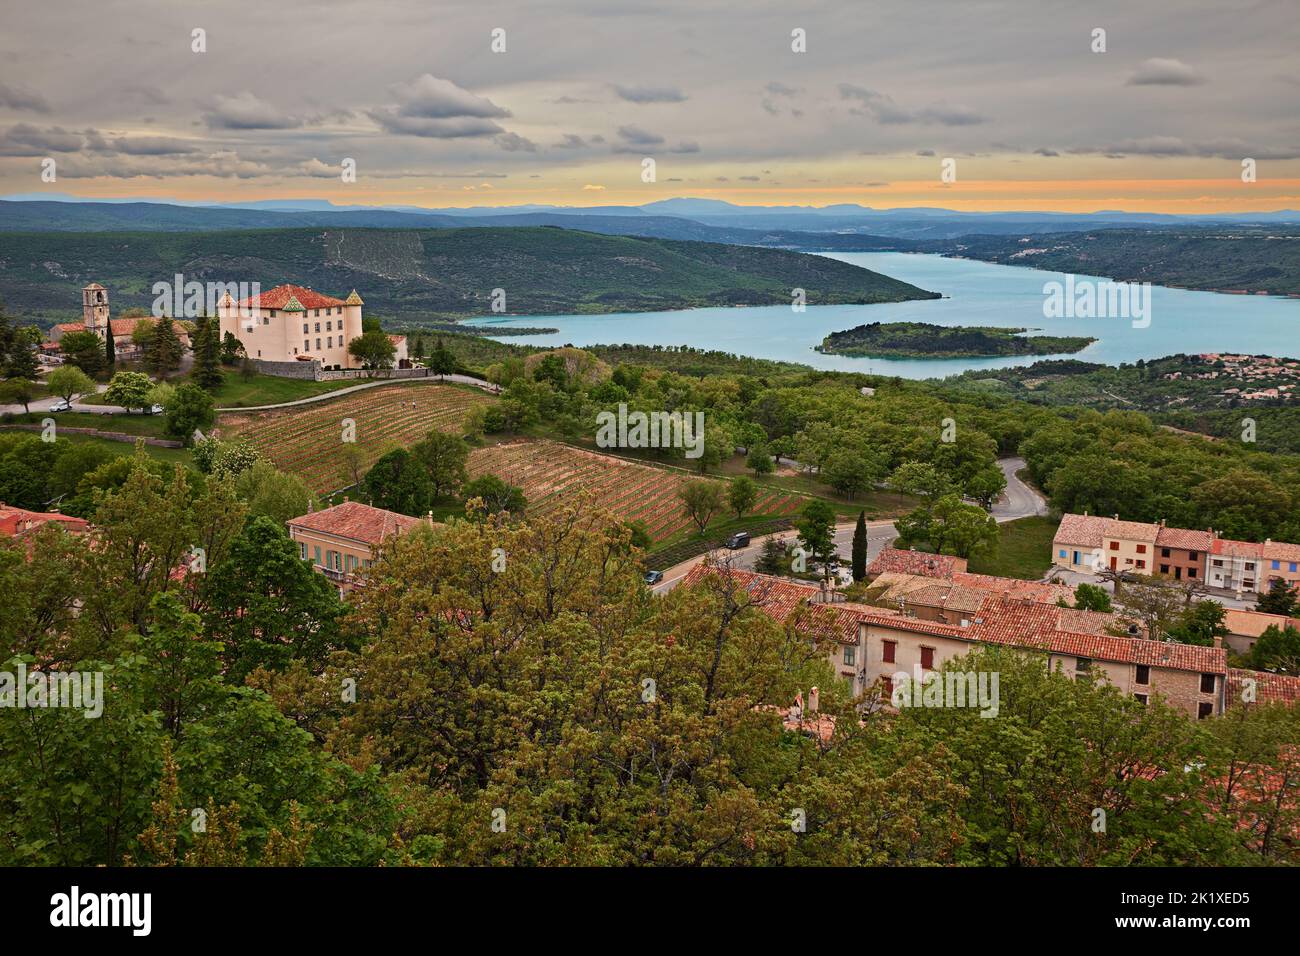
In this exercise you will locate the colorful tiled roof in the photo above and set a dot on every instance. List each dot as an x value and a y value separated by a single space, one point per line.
1084 531
353 299
356 521
1008 622
1237 549
1184 538
916 562
1269 688
19 521
279 297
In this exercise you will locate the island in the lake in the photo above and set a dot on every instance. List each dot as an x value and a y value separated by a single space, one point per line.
922 340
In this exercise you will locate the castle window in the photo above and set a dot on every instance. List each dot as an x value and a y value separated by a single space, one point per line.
305 330
329 326
317 326
318 345
306 345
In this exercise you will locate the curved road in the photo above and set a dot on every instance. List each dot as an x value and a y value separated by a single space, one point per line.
1018 501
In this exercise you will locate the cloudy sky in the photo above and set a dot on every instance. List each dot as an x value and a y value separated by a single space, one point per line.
411 90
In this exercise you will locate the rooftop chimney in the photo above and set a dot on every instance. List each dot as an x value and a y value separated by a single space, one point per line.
813 697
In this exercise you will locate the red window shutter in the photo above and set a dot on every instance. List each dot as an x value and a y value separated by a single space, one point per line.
927 658
889 651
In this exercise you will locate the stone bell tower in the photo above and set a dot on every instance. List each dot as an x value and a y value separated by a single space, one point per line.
94 308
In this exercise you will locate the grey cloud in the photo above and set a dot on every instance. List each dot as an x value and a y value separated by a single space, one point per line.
246 111
23 139
1162 72
883 109
639 137
19 98
514 143
650 94
432 97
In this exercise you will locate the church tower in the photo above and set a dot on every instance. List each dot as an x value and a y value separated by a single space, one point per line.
94 308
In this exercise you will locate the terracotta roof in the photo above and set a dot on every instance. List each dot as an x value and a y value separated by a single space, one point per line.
1088 531
1254 623
1184 538
1083 530
1237 549
1269 688
354 520
1132 530
19 521
72 327
947 596
279 297
916 562
1009 622
1281 551
1040 591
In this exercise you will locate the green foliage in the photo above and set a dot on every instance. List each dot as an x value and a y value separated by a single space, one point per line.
191 409
129 390
399 482
922 340
374 349
68 380
83 349
1092 597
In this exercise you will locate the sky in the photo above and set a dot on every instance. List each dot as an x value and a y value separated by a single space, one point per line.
578 94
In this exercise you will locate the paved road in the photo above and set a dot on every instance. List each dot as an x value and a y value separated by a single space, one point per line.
1018 501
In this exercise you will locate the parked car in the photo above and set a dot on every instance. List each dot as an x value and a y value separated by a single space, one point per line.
156 410
653 577
62 405
738 540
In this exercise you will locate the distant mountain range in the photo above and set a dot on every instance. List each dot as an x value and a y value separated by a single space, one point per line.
432 275
705 219
1251 252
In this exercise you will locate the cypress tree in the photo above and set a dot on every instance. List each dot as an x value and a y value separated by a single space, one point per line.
860 547
207 356
110 348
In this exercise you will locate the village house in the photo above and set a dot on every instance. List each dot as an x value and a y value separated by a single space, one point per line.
1245 627
291 323
95 317
869 645
344 539
19 522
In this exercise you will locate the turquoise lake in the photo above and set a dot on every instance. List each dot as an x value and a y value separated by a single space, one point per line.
978 293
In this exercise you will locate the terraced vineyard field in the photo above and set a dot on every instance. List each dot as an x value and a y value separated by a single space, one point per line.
307 440
552 474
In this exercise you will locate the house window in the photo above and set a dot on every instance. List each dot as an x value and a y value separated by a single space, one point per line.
1141 564
1207 683
927 658
316 555
889 648
887 684
302 549
1191 572
1250 565
1164 569
1143 675
1114 545
1141 549
1292 568
265 320
1141 699
272 313
1217 563
1164 552
1083 664
1061 553
849 654
1204 710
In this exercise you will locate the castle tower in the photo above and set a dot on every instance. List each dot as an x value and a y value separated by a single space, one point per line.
94 308
352 321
